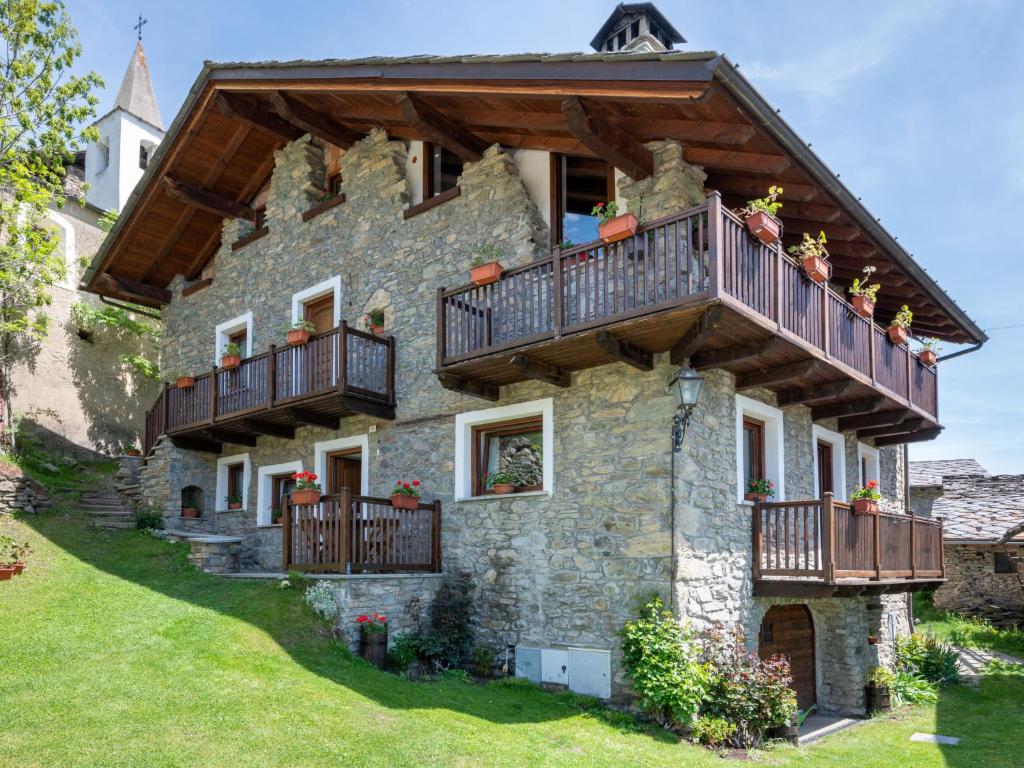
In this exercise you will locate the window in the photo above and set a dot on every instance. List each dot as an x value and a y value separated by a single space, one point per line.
237 330
634 29
620 40
1002 563
103 150
343 463
759 446
232 480
332 172
440 171
517 438
867 464
143 157
829 462
514 447
580 183
274 483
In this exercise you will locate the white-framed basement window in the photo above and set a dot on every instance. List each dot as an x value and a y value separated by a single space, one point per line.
472 425
829 446
329 287
869 466
231 328
225 465
265 487
769 420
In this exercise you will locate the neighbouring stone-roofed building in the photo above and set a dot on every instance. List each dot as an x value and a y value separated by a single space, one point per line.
930 473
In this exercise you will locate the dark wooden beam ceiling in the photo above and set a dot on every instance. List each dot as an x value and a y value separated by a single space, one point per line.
916 437
142 292
535 369
816 393
852 408
696 336
208 201
607 140
437 128
624 352
482 389
246 110
780 374
313 122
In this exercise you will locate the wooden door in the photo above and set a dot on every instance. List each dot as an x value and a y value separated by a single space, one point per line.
344 470
788 630
825 480
320 312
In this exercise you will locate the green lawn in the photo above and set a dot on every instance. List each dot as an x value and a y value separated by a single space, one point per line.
116 653
966 631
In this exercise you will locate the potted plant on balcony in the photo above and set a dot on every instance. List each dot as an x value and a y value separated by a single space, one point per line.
865 499
374 321
405 495
864 295
184 380
373 638
813 257
929 351
234 501
231 355
901 325
299 332
759 491
502 482
877 690
613 226
760 216
307 489
485 268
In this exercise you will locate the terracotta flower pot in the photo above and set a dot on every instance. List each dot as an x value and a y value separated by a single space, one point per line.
19 567
502 488
377 330
373 646
298 336
6 572
486 274
927 356
230 361
872 640
189 512
897 334
404 501
764 227
306 496
865 507
184 382
878 699
133 452
757 498
818 269
864 306
235 505
618 228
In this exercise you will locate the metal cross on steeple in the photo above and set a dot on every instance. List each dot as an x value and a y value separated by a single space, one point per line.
138 27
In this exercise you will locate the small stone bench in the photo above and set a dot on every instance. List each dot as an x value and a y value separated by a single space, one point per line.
213 553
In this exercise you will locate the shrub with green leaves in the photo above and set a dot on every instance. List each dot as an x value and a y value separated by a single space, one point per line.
321 598
449 638
924 656
713 731
663 660
403 652
483 660
148 518
907 688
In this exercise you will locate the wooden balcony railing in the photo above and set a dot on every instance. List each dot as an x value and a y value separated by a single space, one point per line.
704 253
342 360
345 533
823 540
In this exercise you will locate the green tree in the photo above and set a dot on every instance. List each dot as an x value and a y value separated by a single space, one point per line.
43 108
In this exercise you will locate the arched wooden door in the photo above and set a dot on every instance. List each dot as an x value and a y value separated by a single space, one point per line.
788 630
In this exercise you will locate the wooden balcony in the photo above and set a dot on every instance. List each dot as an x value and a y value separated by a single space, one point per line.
361 534
821 548
335 374
698 285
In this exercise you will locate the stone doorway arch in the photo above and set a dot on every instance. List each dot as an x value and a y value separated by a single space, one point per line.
788 630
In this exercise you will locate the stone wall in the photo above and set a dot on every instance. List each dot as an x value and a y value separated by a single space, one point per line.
20 493
403 598
974 587
923 498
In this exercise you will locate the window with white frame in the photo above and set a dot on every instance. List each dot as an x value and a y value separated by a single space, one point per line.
829 463
759 446
332 458
233 473
272 484
319 304
868 465
237 330
516 440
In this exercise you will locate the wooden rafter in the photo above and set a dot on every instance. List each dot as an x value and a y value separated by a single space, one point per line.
256 427
746 187
902 427
916 437
624 352
732 160
482 389
313 122
535 369
818 392
208 201
780 374
142 292
696 336
438 129
715 358
223 436
312 418
878 419
245 110
607 140
852 408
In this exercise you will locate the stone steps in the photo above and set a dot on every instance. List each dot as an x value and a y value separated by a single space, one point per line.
106 509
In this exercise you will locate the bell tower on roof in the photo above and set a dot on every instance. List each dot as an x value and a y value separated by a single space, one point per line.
636 28
129 134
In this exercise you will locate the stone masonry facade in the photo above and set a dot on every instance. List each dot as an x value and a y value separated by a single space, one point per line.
565 569
975 588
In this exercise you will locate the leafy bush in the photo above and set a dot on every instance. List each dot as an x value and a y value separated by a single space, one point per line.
403 652
483 660
713 731
1000 667
751 693
924 656
148 518
880 677
907 688
662 658
446 644
321 598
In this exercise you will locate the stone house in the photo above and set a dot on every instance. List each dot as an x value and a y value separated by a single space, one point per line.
978 511
354 194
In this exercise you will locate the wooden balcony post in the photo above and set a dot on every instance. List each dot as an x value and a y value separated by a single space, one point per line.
876 541
436 536
871 352
391 370
715 243
165 407
344 530
343 356
910 376
756 540
286 535
828 543
213 394
271 375
777 286
913 548
556 285
442 326
826 321
942 548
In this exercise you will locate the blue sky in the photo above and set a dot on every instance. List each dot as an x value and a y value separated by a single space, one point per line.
917 105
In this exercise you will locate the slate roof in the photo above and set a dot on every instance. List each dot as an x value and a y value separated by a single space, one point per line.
924 473
980 508
136 93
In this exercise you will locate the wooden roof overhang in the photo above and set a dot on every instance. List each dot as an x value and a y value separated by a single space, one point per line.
219 152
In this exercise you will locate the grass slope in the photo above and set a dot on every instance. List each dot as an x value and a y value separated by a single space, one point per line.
117 653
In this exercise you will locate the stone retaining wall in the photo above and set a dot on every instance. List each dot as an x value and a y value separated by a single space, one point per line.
404 599
20 493
974 587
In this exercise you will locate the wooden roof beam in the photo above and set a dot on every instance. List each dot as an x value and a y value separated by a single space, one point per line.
541 371
142 292
853 408
901 427
916 437
715 358
816 393
780 374
878 419
247 111
727 159
832 231
750 188
439 129
207 200
607 140
313 122
624 352
697 335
